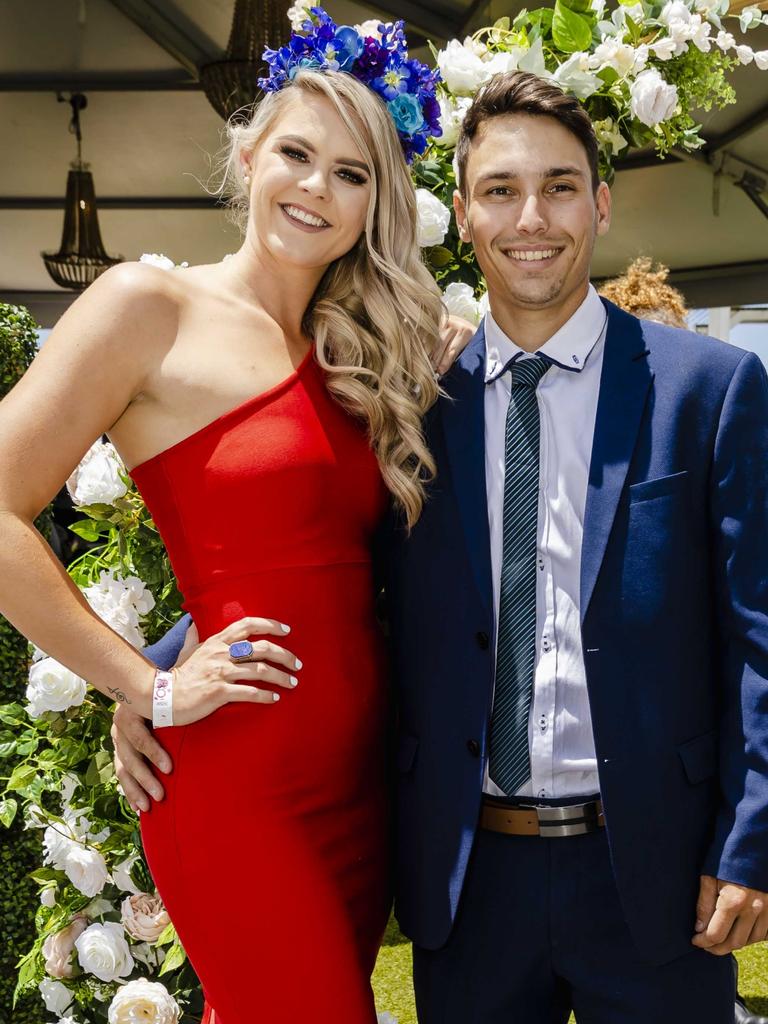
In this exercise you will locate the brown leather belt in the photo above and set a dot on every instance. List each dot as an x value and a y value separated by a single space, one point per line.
549 822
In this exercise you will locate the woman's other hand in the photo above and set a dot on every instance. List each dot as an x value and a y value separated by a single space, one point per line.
455 335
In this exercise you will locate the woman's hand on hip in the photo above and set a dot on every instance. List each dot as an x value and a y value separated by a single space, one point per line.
209 678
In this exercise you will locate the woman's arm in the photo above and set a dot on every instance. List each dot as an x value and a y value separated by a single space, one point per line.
99 358
92 366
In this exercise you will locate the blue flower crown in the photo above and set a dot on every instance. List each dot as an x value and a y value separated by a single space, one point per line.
406 86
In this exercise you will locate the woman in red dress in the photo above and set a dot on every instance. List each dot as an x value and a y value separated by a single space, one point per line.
268 405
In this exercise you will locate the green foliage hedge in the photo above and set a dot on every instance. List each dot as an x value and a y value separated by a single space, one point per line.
20 850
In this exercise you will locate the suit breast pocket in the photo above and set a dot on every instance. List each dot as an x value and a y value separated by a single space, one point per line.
661 487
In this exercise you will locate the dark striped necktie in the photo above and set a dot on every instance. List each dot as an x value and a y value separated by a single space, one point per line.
510 765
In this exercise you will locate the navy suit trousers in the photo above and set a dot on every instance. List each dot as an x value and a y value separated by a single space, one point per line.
540 932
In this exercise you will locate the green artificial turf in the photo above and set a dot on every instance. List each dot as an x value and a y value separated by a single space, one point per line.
394 993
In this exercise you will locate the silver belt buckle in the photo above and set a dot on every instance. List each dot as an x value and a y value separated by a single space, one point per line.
576 820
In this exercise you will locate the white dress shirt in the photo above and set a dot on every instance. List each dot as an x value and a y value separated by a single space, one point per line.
562 750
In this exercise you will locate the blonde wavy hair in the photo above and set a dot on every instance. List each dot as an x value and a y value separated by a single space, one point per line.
375 316
644 292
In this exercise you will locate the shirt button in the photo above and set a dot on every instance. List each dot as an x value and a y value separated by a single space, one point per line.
543 723
545 644
540 562
473 747
483 641
542 792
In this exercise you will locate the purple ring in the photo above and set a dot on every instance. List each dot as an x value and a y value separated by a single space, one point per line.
241 651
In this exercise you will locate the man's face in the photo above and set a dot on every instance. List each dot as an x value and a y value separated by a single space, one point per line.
531 212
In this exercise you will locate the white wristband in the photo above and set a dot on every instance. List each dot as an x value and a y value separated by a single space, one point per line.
162 700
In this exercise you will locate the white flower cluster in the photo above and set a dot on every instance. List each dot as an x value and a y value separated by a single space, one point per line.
52 687
121 602
459 300
466 66
100 477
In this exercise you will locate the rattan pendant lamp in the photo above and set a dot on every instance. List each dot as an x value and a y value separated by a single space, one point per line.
82 256
230 83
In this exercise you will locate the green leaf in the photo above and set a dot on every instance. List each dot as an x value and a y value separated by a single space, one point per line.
167 935
87 529
8 810
439 256
175 958
45 875
21 777
570 31
6 749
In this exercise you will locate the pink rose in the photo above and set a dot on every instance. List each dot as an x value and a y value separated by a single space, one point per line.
57 948
144 916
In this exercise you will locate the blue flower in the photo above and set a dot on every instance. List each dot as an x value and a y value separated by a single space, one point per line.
406 113
349 47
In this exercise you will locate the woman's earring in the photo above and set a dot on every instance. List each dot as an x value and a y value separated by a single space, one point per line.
247 179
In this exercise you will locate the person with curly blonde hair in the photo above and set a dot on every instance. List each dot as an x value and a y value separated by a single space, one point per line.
644 292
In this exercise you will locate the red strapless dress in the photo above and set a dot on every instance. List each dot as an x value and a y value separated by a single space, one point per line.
271 847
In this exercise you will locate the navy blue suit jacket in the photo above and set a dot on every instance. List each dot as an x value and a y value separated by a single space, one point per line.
674 626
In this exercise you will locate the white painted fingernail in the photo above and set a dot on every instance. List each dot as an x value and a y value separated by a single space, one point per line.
285 629
294 681
275 696
299 664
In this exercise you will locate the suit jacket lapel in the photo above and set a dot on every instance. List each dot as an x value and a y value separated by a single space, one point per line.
463 418
624 385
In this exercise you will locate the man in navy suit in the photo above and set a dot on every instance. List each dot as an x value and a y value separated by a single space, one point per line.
579 627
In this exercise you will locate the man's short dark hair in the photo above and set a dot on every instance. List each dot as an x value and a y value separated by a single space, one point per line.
519 92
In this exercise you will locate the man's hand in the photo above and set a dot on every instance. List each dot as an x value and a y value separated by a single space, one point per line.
136 747
729 916
455 335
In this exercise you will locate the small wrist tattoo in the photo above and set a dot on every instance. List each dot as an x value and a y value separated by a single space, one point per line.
119 695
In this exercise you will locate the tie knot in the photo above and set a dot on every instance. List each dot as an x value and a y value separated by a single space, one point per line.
527 373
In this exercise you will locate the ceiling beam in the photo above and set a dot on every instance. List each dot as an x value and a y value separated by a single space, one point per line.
173 80
749 124
172 30
114 203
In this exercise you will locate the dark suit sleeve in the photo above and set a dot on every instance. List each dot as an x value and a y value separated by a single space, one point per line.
165 652
739 510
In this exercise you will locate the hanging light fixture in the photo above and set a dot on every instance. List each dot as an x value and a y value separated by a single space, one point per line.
230 83
82 256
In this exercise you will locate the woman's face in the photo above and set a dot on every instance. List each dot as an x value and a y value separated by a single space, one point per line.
310 186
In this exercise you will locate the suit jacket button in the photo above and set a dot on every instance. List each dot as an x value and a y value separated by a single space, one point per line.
473 747
483 641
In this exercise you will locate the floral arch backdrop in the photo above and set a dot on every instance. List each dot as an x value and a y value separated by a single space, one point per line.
105 949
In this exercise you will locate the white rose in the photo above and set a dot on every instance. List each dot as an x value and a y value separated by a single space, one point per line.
144 917
675 10
745 54
156 259
48 897
98 477
462 70
434 218
52 687
146 1001
503 61
86 869
574 74
58 947
459 300
652 99
761 59
369 29
452 112
56 996
103 951
121 875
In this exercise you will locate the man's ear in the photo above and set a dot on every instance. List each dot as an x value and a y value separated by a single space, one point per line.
462 220
603 203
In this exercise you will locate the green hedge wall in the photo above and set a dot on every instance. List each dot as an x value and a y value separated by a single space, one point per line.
20 850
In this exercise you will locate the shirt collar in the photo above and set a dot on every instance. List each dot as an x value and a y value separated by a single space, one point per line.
568 348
